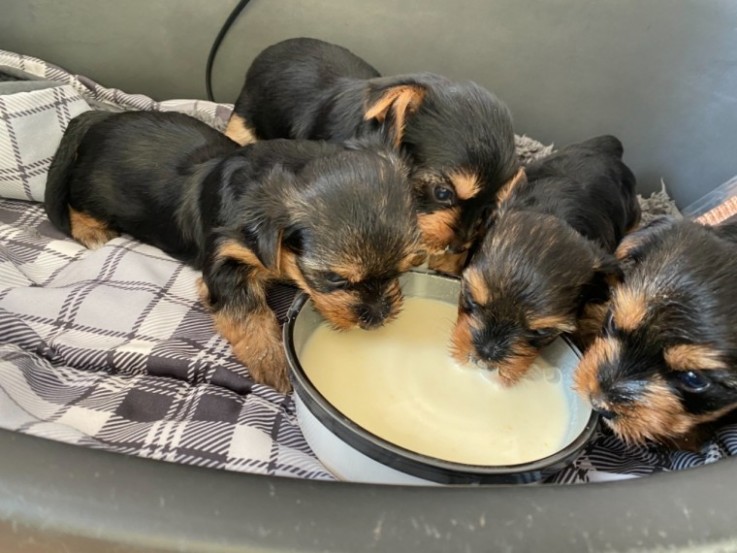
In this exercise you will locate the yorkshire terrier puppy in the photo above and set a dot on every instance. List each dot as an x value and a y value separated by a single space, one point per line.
546 257
457 135
665 363
337 221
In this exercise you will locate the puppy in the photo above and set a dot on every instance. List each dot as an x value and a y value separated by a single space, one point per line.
666 360
336 221
458 136
546 257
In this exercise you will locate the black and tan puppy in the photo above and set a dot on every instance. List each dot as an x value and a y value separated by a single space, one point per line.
547 256
666 361
337 222
458 136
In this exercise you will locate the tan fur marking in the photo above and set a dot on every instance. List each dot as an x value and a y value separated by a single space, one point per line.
517 364
414 259
437 228
477 286
602 350
291 270
239 131
560 322
505 192
337 308
256 342
461 345
448 263
352 272
628 243
629 309
234 250
466 184
590 323
88 231
511 370
688 357
656 416
404 99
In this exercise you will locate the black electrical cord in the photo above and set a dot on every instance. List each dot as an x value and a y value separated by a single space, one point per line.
216 45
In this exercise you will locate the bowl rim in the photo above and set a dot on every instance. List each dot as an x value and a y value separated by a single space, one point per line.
406 460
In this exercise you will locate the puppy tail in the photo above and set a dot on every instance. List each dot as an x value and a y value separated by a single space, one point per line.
56 197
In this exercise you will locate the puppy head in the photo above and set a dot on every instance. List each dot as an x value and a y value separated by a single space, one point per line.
352 231
665 360
524 287
460 141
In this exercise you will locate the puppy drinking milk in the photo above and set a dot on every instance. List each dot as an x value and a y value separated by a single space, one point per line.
545 264
458 136
337 221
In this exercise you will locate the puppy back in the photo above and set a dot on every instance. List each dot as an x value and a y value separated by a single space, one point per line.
587 185
293 85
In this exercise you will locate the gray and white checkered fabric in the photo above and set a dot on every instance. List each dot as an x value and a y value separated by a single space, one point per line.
24 155
110 348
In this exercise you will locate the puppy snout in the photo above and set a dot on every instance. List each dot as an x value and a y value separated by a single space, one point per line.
373 314
491 351
600 407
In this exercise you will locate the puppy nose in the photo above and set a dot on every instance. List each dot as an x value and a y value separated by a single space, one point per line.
490 351
373 313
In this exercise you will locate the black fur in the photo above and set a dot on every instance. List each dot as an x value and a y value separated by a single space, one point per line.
306 88
687 274
548 252
587 186
172 181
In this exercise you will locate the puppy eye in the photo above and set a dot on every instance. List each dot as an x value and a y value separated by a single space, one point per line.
335 280
693 381
543 336
467 302
444 194
609 326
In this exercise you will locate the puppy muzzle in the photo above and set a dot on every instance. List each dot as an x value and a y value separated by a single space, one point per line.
373 314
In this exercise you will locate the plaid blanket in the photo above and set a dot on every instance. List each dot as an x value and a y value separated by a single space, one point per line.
110 348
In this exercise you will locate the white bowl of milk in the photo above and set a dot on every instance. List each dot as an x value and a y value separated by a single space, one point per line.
391 406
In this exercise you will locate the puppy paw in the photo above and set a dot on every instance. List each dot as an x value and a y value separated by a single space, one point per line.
267 363
256 342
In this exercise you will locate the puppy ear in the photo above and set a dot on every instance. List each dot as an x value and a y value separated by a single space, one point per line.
633 246
266 216
266 243
505 192
391 101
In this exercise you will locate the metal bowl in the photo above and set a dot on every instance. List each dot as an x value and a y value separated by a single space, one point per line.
352 453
